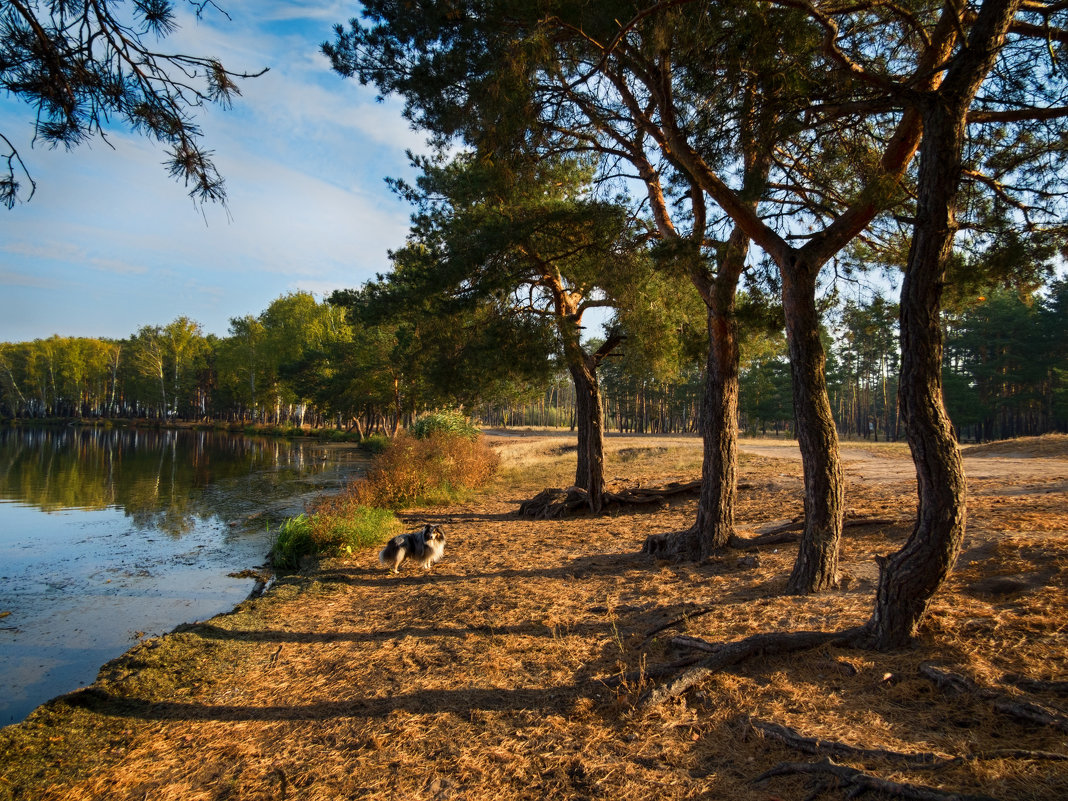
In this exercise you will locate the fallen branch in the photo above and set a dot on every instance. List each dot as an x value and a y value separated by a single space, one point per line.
858 782
791 532
653 494
948 680
1032 713
1036 685
735 652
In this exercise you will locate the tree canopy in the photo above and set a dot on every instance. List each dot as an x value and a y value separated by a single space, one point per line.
82 67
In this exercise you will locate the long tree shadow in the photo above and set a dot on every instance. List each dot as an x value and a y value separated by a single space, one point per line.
582 567
460 701
211 632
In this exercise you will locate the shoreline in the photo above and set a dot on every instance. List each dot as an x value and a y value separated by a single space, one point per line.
83 586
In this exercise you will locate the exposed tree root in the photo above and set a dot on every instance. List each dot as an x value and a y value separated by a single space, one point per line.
694 643
857 782
682 545
1027 711
817 747
1036 685
924 759
732 653
551 504
672 623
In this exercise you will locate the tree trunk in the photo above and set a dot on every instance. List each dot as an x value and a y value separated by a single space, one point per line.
816 567
909 578
589 470
719 425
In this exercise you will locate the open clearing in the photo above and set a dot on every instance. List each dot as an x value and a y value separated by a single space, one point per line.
516 668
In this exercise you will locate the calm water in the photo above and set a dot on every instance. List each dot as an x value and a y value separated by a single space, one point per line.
107 536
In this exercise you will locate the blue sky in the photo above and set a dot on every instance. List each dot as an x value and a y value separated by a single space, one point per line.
110 242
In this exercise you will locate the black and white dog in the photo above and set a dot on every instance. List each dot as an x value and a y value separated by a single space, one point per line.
427 545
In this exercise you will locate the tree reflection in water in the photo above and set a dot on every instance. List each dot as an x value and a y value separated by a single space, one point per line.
162 479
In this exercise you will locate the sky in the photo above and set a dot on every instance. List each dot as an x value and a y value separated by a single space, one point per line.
110 242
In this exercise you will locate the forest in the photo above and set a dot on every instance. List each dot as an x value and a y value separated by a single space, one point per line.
306 363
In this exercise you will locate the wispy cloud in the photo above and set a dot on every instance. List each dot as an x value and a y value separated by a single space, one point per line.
53 251
12 279
118 267
304 154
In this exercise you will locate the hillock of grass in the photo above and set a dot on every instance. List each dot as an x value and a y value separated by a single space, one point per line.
442 466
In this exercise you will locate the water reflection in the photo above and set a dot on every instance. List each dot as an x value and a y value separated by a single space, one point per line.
162 479
108 533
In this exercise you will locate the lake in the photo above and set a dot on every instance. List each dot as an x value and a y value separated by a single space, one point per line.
109 535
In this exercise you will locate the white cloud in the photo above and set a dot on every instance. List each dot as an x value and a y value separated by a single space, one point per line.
53 251
117 266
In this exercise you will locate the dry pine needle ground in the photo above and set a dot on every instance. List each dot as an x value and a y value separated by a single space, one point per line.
514 670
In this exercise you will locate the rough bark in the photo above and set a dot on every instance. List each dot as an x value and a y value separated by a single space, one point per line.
589 470
816 567
714 525
713 528
589 413
909 578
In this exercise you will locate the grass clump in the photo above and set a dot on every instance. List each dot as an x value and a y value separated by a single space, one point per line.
292 542
375 443
438 469
337 526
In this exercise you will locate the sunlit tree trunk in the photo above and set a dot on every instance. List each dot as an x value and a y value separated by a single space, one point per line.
816 567
909 578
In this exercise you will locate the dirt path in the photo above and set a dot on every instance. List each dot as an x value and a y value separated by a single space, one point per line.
890 462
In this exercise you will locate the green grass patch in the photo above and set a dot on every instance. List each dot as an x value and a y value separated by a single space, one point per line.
292 542
336 527
448 422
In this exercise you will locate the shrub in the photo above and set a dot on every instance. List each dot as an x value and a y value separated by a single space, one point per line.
449 422
375 443
439 469
342 526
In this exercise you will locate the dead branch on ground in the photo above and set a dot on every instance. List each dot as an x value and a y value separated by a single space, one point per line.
925 759
732 653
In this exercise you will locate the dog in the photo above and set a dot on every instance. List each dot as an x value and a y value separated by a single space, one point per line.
427 545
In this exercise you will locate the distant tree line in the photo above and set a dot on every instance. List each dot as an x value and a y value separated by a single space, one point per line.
309 362
1005 375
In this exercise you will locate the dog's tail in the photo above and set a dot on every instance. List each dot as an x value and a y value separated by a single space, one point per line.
386 554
